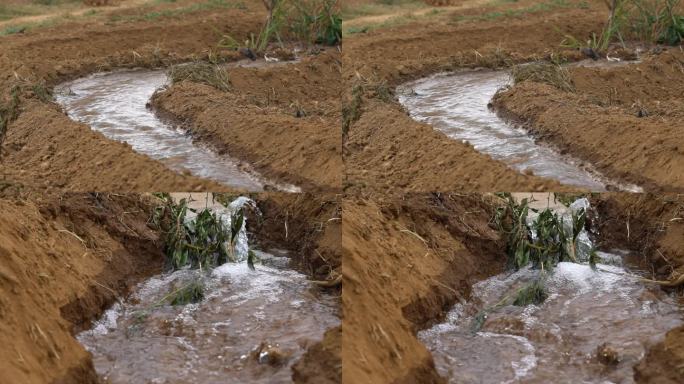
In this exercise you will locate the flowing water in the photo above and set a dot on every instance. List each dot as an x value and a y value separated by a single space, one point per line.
457 105
115 104
608 310
251 326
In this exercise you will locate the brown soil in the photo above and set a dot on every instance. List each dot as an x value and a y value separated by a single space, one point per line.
406 261
652 225
64 261
387 149
625 120
45 150
284 119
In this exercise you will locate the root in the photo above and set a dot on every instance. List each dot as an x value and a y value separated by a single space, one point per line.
329 283
667 283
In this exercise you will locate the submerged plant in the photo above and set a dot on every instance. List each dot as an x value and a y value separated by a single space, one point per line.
532 293
192 292
542 244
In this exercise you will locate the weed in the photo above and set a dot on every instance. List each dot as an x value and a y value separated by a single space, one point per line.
653 21
200 72
532 293
547 73
193 292
203 242
309 21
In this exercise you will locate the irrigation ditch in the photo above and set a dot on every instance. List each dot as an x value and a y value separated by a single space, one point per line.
117 104
499 290
460 105
157 286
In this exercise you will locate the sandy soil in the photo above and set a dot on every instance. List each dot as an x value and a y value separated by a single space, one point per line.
406 261
257 120
625 120
387 149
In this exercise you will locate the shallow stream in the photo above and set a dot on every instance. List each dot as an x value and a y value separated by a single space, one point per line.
251 326
115 104
457 105
588 313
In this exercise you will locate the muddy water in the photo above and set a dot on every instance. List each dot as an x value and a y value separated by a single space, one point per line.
115 105
457 105
251 326
556 341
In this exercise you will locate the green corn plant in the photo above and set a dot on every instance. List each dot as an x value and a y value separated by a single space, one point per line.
203 242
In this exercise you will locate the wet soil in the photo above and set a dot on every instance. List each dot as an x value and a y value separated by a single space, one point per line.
626 120
64 260
409 259
406 261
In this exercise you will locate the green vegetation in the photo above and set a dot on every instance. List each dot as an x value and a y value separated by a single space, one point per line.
542 244
203 242
36 7
652 21
547 73
308 21
200 72
193 292
380 7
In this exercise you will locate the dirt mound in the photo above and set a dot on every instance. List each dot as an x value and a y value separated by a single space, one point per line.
623 119
405 262
285 119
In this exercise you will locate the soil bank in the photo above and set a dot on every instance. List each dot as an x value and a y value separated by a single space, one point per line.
626 120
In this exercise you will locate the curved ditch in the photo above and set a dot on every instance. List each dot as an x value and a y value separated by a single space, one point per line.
115 104
250 326
457 104
594 326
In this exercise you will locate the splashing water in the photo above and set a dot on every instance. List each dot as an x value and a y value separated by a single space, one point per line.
251 326
558 340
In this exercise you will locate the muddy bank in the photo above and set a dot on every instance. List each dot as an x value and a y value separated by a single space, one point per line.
44 149
406 261
285 119
386 149
63 263
626 120
66 259
651 225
